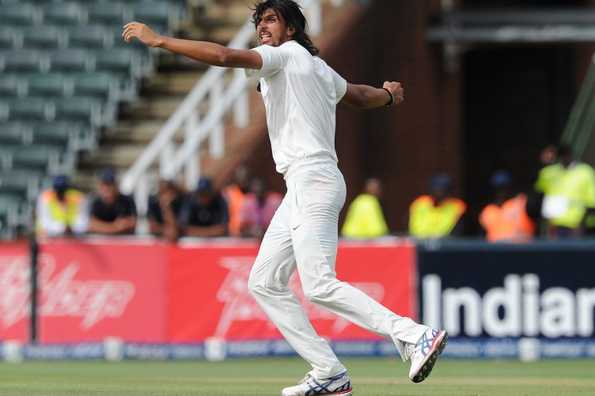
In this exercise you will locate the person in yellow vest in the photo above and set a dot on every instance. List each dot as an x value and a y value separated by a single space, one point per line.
507 217
235 194
61 210
365 219
568 187
437 215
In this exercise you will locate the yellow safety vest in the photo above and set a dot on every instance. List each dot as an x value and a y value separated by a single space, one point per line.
429 221
64 212
364 219
575 186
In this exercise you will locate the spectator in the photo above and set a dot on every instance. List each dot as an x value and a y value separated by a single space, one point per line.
258 209
61 210
365 219
569 194
204 213
112 213
234 195
506 218
436 215
164 209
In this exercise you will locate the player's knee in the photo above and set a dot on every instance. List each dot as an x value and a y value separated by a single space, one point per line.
318 293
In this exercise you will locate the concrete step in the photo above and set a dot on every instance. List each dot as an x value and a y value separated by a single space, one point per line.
157 108
172 83
113 155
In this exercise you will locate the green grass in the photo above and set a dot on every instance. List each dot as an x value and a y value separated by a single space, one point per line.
264 377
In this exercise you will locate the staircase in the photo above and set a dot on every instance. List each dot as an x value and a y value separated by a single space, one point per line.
139 121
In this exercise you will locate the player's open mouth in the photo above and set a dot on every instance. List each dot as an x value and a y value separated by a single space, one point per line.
265 36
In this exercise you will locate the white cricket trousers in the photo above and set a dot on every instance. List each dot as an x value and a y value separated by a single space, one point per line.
304 233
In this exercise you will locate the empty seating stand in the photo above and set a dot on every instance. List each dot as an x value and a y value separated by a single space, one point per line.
63 71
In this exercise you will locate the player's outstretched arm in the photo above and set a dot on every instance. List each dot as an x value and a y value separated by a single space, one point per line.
202 51
367 97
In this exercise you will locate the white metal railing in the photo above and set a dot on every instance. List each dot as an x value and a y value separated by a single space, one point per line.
191 124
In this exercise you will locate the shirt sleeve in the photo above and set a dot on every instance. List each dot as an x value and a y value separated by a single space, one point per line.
340 85
273 60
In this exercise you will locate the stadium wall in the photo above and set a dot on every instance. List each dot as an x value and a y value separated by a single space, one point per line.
114 299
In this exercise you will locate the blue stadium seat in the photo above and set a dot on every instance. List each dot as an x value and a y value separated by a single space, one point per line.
49 85
109 13
3 111
9 39
11 86
121 61
30 109
63 14
99 85
58 133
155 14
82 109
22 61
12 133
42 37
70 60
18 14
36 157
89 37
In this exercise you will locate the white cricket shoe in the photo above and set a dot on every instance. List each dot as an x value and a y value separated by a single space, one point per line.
339 385
425 353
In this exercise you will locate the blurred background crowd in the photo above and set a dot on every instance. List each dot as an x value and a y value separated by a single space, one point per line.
559 204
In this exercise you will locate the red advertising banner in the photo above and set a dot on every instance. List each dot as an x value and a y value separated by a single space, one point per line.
88 291
209 296
146 291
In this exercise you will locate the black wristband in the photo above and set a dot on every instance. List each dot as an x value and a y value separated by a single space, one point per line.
391 100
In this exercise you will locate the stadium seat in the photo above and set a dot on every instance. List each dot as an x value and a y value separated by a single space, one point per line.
3 111
10 205
109 13
42 37
58 133
16 186
14 133
36 157
9 39
20 182
122 61
18 14
49 85
29 109
11 86
70 60
81 109
99 85
89 37
21 61
155 14
63 14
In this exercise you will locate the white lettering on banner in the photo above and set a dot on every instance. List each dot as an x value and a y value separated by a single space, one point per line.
240 305
517 309
61 294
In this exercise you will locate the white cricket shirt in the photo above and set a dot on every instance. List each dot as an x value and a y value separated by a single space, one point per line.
300 94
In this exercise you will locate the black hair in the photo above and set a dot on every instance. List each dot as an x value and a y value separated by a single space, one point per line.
291 12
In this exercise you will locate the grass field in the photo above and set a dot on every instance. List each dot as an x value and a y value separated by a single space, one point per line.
263 377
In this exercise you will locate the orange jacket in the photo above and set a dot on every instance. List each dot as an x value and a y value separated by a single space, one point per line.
508 221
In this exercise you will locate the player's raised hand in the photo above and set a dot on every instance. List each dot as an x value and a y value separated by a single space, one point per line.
141 32
396 89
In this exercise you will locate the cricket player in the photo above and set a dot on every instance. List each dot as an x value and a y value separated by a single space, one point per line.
301 93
